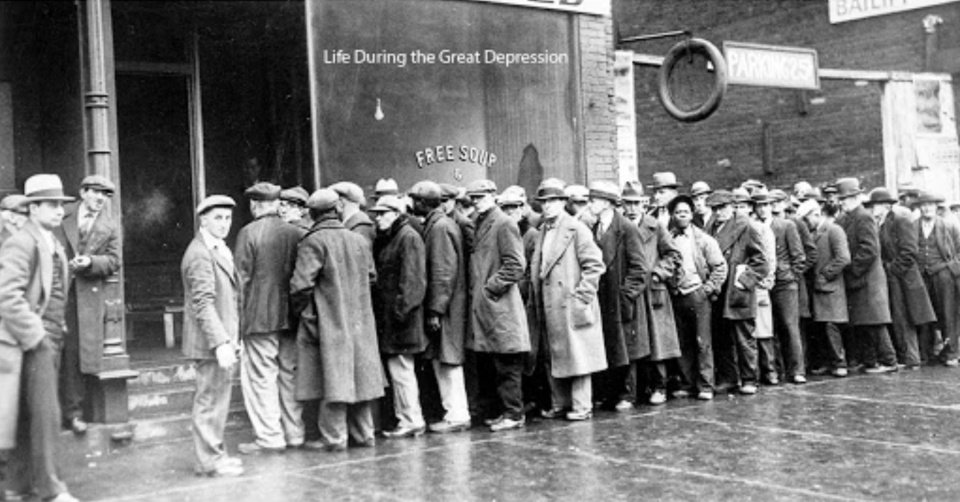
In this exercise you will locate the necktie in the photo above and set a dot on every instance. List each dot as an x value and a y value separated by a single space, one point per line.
87 223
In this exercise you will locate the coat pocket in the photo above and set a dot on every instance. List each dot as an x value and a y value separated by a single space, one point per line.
582 313
659 296
628 308
739 298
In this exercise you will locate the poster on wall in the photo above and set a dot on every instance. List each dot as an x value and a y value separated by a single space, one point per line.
935 137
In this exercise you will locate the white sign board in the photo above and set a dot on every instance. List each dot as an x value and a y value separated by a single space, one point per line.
849 10
595 7
771 66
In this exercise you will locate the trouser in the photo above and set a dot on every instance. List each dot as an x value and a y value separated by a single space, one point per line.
852 346
827 343
693 317
478 372
767 359
902 330
267 374
616 384
38 425
652 375
406 391
930 343
786 327
211 404
738 352
337 420
941 287
72 381
875 345
509 373
453 392
574 393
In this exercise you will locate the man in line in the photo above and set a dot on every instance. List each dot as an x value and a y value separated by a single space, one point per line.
664 188
351 210
211 332
13 214
265 253
866 283
34 280
400 257
339 363
293 207
699 191
939 259
498 320
92 241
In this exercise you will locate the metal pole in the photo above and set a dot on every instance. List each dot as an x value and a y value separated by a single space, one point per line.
655 36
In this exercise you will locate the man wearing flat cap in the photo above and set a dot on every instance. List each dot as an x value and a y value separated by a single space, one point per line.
293 207
91 238
211 332
939 260
264 255
351 212
13 214
34 283
339 361
910 306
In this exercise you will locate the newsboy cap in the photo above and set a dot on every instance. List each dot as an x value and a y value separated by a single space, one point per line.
449 191
297 195
350 191
481 187
323 199
720 198
213 201
427 190
388 203
14 202
99 182
263 191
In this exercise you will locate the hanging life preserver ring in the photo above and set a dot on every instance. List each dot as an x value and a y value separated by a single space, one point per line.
710 105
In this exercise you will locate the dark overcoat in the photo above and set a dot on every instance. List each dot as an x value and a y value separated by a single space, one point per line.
498 319
361 223
446 295
620 289
211 300
401 260
338 358
742 247
265 253
810 253
662 261
867 296
828 296
86 306
898 250
791 260
565 277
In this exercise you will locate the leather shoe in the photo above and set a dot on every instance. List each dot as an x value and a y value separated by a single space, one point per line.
577 416
404 431
507 423
446 426
552 413
623 405
78 426
490 421
705 395
799 379
839 372
657 398
748 389
251 448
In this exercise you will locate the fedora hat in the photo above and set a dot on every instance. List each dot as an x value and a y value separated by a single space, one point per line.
632 191
664 180
551 188
577 193
925 197
720 198
880 195
700 188
386 186
848 187
762 196
605 190
740 194
512 196
41 187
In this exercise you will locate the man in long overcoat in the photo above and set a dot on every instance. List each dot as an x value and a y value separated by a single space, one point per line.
565 271
339 359
351 209
910 307
92 240
498 320
619 292
867 297
33 294
211 332
445 304
265 254
939 259
735 348
828 296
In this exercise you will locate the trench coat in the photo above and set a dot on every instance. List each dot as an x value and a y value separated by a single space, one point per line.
264 255
742 248
899 235
564 279
86 306
498 319
401 261
446 295
211 299
828 295
620 289
26 277
662 261
867 296
338 358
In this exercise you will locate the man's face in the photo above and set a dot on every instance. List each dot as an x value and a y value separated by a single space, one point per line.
289 211
763 211
955 211
632 209
778 207
553 207
598 205
700 203
578 207
682 215
482 201
385 219
743 208
217 221
18 219
514 211
48 214
723 212
928 210
813 218
879 211
419 207
94 198
662 196
851 203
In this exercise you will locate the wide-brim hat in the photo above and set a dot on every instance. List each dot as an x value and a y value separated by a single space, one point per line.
44 187
720 198
607 190
632 192
740 194
552 188
880 195
386 186
762 196
925 197
99 182
848 187
700 188
664 180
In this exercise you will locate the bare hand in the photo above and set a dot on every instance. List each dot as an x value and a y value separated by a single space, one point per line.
80 262
226 355
433 323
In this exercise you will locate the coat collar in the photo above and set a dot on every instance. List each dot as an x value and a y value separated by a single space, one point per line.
566 229
219 259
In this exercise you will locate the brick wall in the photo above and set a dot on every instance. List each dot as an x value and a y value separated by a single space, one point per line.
596 86
838 132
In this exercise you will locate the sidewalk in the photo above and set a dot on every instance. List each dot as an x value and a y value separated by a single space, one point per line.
891 437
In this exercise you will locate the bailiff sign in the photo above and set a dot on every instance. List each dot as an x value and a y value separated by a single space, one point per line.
771 66
850 10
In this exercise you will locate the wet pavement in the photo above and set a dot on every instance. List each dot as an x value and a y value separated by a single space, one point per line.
890 437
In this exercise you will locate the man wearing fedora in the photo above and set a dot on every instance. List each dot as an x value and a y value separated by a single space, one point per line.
939 260
699 192
92 240
910 306
632 200
211 332
866 283
34 282
664 189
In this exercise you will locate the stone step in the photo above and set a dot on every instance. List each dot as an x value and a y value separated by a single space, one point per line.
168 399
164 375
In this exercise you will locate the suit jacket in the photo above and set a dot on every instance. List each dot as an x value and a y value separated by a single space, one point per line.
898 251
94 286
740 244
211 299
828 296
867 296
26 277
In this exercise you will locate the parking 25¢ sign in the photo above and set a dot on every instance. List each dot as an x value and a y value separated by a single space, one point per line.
771 66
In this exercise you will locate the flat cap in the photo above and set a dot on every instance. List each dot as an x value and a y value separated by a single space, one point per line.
481 187
576 193
388 203
449 191
323 199
720 198
349 191
427 190
214 201
99 182
386 186
603 189
14 202
263 191
297 195
513 195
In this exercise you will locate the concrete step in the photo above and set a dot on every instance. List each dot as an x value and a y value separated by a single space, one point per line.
171 399
163 375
